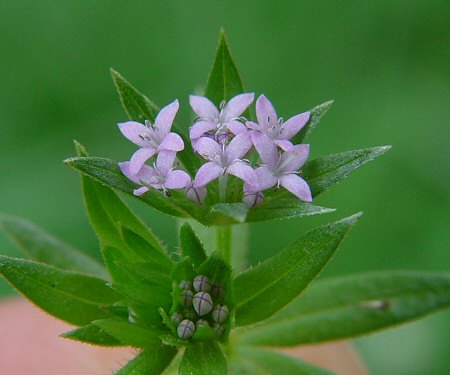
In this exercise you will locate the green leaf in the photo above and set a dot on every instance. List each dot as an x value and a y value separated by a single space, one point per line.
263 290
328 170
191 245
92 334
203 358
227 213
131 334
224 80
45 248
343 307
149 362
259 361
74 297
316 115
140 108
284 207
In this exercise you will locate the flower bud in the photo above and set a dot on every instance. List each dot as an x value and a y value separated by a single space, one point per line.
201 284
202 303
185 285
186 329
186 298
219 328
220 313
217 290
202 323
189 313
253 199
176 317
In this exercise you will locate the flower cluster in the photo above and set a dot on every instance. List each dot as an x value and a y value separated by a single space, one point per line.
223 138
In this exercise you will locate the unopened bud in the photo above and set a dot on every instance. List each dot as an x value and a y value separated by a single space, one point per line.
219 328
220 313
202 323
217 290
202 303
201 284
176 317
186 329
186 297
185 285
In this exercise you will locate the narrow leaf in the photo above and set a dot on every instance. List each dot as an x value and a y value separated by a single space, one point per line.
191 245
324 172
259 361
45 248
263 290
203 358
74 297
149 362
343 307
227 213
224 80
92 334
316 115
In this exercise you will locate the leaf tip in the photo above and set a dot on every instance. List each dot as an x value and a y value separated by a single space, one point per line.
80 149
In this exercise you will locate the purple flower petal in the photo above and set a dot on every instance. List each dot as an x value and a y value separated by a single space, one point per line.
126 170
206 173
203 107
265 112
237 105
292 126
164 162
252 125
265 147
140 191
208 148
236 127
133 131
177 179
200 128
294 159
285 145
239 146
252 199
171 142
297 186
148 176
196 195
266 178
139 158
165 118
243 171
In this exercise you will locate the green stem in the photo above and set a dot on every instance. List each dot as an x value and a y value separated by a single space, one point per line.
224 241
223 181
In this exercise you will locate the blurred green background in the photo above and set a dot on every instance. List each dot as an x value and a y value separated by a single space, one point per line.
386 64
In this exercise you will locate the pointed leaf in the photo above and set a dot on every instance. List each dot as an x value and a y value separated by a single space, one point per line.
45 248
203 358
343 307
315 116
263 290
149 362
259 361
224 80
92 334
140 108
74 297
191 245
328 170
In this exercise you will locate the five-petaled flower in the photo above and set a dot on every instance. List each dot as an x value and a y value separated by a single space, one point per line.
273 127
161 176
152 138
280 168
225 159
210 121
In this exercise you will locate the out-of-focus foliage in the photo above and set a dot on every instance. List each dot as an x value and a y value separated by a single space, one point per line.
384 63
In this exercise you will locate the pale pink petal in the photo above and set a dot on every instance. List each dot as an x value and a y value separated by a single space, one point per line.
266 178
239 146
236 127
284 144
294 159
200 128
140 191
164 162
177 179
164 120
292 126
252 125
126 170
171 142
266 148
203 107
208 148
139 158
265 112
237 106
243 171
134 131
297 186
206 173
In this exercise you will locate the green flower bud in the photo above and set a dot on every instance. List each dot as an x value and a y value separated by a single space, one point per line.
185 285
202 303
189 313
186 298
217 290
219 328
201 284
220 313
186 329
177 317
202 323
